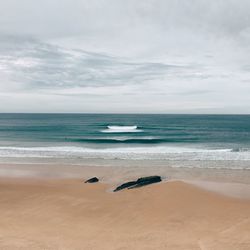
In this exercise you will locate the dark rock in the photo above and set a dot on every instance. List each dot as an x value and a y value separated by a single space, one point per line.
146 181
139 183
125 185
152 179
92 180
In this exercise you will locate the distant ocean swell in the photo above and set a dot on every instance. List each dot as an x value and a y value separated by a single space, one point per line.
131 153
134 140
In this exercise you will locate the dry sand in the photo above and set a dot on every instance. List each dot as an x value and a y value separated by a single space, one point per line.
68 214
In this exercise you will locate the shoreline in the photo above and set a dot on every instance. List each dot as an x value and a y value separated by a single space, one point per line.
231 183
112 173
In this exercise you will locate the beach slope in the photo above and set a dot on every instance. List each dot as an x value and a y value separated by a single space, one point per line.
68 214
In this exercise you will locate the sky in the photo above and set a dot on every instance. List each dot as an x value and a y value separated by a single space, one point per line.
125 56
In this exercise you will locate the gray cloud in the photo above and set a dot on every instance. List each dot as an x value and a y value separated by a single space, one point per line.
125 56
37 65
78 17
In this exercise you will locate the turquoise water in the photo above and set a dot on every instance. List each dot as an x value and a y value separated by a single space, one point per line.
133 137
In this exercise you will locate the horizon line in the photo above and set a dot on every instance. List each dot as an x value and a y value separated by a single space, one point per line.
115 113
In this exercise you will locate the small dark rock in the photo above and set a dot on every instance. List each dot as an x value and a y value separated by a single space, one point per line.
139 183
92 180
125 185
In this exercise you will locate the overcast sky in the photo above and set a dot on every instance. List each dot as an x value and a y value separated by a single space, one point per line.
125 56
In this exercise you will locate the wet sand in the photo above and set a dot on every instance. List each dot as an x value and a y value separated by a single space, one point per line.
68 214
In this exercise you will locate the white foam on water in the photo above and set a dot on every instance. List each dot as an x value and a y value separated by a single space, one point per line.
126 138
121 129
127 153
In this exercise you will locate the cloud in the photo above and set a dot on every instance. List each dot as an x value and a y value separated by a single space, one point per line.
125 56
79 17
41 66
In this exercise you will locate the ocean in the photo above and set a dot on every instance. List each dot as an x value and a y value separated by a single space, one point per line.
100 138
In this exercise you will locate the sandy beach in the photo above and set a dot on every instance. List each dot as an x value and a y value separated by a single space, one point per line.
69 214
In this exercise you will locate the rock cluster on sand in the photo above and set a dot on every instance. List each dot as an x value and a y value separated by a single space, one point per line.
139 183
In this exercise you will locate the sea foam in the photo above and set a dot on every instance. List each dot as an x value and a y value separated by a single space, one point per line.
122 129
127 153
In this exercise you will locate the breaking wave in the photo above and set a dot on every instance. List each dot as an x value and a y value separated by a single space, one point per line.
122 129
126 153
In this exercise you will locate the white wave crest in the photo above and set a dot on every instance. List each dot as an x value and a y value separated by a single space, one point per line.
122 129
